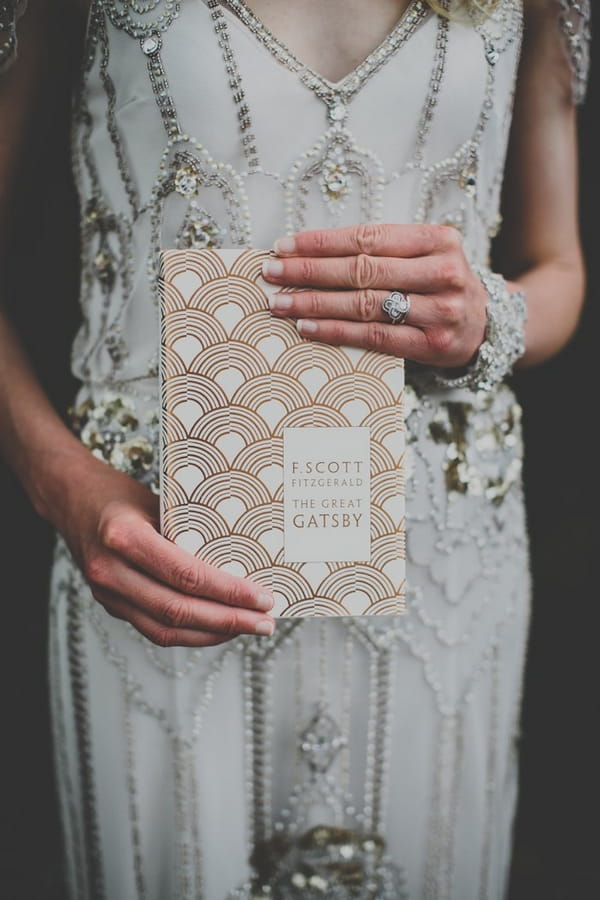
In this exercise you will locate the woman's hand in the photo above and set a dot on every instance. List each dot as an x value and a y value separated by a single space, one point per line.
109 522
346 273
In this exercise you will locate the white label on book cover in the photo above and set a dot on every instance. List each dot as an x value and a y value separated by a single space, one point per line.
327 494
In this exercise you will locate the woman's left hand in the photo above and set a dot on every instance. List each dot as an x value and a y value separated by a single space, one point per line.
345 274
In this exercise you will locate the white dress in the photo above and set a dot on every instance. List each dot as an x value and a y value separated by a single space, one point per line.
204 773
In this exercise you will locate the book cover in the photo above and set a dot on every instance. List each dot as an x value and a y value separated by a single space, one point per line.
281 457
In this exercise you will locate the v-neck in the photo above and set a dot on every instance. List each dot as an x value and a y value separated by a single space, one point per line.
347 86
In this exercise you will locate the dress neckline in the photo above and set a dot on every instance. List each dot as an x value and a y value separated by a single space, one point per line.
346 87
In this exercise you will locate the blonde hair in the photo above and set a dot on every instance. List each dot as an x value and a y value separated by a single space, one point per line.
453 8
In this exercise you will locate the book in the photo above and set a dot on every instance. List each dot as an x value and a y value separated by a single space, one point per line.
281 457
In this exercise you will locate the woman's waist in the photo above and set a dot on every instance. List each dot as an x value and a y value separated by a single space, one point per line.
120 423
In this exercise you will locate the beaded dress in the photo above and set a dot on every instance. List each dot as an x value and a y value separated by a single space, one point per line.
354 758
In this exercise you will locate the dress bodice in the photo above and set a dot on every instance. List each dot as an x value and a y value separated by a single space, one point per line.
195 126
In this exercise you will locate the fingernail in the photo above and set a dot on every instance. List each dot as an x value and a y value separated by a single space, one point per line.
264 602
306 326
272 268
280 301
284 245
265 627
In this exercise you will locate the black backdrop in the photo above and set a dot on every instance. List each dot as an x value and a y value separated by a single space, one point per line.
556 853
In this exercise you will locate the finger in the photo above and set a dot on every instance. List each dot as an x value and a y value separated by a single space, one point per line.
370 239
161 635
426 274
137 541
168 608
404 341
360 306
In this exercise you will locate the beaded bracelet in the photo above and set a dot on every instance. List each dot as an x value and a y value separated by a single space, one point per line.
504 340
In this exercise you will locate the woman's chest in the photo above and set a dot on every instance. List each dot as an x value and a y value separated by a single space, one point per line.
334 36
190 101
213 66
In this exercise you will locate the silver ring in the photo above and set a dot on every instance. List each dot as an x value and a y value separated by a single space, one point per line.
397 306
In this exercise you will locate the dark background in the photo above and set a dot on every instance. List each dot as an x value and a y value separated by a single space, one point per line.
557 832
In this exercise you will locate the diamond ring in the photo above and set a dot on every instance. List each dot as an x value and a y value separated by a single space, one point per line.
397 306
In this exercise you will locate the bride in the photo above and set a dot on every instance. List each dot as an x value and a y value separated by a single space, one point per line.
202 748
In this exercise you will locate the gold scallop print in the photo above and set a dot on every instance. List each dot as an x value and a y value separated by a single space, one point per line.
234 381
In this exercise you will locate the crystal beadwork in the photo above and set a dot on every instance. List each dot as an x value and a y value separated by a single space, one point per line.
335 178
491 54
186 181
575 24
104 268
338 111
504 341
200 232
468 180
151 45
321 741
111 429
325 861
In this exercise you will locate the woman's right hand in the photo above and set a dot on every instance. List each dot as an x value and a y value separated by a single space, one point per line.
110 524
108 520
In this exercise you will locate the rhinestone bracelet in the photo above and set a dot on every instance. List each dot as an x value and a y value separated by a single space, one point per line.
504 340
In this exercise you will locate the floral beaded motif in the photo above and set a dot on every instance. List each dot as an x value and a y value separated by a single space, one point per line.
324 860
111 430
482 458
